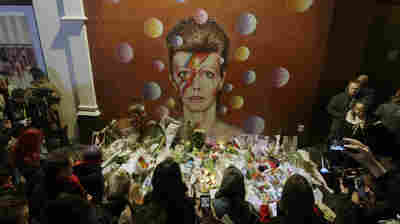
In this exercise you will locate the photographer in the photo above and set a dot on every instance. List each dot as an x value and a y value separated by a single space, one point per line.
18 111
385 186
43 103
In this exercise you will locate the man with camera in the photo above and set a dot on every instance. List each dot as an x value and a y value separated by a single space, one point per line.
18 111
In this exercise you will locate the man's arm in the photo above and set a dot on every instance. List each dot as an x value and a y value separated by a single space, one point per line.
332 108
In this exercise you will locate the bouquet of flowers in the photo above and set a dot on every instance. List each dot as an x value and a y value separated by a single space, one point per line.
198 138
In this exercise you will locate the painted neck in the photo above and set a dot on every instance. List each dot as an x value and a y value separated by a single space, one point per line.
203 119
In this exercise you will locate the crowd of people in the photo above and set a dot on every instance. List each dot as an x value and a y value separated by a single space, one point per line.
58 189
34 106
48 187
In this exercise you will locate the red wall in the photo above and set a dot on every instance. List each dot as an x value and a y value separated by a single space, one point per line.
297 41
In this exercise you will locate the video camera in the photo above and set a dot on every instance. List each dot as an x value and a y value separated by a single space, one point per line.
40 94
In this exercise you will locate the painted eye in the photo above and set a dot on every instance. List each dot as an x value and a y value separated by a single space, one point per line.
210 75
183 74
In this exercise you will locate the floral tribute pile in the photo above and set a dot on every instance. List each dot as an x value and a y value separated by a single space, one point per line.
265 164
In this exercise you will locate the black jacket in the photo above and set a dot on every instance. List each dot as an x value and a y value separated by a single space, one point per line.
92 179
230 199
367 96
339 105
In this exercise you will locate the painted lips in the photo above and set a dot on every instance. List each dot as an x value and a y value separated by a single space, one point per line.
196 99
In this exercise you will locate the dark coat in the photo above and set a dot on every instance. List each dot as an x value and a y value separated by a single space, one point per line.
367 96
92 179
230 199
338 107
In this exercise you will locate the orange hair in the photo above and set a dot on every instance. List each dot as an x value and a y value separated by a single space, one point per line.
27 148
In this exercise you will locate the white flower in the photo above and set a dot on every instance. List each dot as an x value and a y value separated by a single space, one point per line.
179 147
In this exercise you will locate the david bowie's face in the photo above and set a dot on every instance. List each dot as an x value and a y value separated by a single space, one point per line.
197 76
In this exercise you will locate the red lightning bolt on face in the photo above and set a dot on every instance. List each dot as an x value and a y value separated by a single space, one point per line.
193 64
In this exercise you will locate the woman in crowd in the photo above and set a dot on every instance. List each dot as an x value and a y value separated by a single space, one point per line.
167 203
230 199
358 123
26 158
90 173
58 179
297 203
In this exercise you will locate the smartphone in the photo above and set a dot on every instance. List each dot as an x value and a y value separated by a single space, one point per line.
205 201
360 186
337 145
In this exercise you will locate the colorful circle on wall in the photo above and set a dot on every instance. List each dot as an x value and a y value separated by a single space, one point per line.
151 91
228 87
124 53
153 28
299 5
176 41
242 54
171 103
236 102
201 16
254 125
246 24
280 77
249 77
222 109
158 65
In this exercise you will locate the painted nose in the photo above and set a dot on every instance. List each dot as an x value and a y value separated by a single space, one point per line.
196 82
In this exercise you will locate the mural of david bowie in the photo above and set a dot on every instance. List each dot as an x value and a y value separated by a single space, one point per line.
197 72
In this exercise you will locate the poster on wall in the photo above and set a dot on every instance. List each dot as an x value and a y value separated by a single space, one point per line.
20 49
228 70
16 64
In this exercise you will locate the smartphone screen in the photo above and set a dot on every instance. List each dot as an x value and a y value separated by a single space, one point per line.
205 201
337 145
337 148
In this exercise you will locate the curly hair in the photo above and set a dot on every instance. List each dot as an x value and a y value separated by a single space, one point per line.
207 37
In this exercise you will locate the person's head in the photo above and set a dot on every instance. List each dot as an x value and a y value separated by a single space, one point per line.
363 79
37 74
232 185
14 210
67 209
60 165
168 186
92 153
28 147
297 189
198 65
19 95
359 109
353 87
